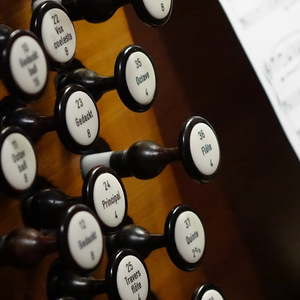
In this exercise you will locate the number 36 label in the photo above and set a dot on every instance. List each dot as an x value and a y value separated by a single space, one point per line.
82 118
205 149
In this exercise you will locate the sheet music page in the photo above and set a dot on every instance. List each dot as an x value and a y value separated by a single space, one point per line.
269 31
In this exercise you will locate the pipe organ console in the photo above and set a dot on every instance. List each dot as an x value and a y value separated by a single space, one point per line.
77 230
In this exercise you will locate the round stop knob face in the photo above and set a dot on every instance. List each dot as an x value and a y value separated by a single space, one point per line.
132 279
85 240
205 150
109 200
82 118
189 237
58 35
18 161
211 295
140 78
28 65
158 9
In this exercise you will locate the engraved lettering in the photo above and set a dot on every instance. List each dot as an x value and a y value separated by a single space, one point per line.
190 238
111 201
84 118
63 40
206 149
142 78
28 59
87 240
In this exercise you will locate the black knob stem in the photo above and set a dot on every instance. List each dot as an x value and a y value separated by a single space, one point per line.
45 209
25 248
92 10
66 283
35 125
96 84
143 160
4 36
135 238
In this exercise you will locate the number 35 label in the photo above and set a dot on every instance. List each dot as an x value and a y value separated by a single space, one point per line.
82 118
140 78
58 35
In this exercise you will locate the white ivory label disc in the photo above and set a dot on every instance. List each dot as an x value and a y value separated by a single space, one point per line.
18 161
82 118
28 65
140 78
158 9
109 200
205 149
85 240
58 34
132 279
212 295
189 237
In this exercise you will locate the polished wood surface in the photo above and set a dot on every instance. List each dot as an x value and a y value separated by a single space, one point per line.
149 201
252 208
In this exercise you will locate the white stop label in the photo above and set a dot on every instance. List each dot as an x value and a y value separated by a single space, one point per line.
205 149
18 161
158 9
28 65
85 240
58 35
189 237
109 200
132 279
140 78
82 118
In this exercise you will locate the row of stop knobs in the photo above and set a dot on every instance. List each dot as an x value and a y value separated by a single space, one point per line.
99 215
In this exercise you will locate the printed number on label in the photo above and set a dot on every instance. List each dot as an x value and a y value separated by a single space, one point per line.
195 251
162 7
79 103
25 47
67 51
15 144
201 134
89 133
138 63
92 255
129 267
106 185
36 81
187 223
55 19
82 224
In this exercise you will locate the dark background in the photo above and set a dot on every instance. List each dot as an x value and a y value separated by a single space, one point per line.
251 210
